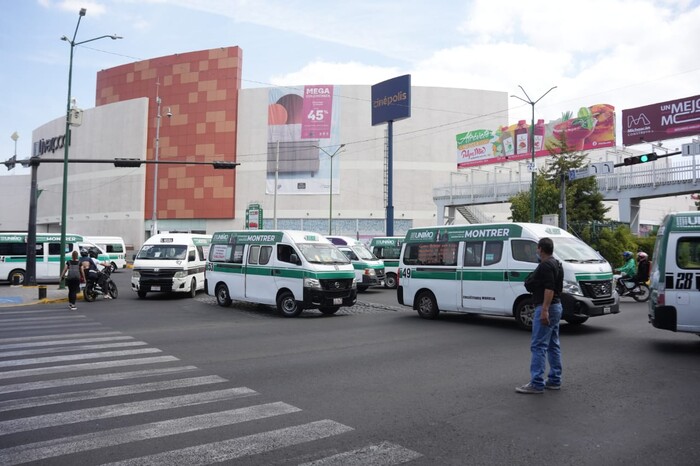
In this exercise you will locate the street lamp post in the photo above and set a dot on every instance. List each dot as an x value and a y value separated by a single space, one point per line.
66 144
154 217
330 191
532 145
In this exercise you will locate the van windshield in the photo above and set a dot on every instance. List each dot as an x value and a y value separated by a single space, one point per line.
363 253
575 250
319 253
163 252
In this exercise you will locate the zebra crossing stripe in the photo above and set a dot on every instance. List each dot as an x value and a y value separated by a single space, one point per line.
82 395
51 327
63 342
240 447
84 367
42 319
382 454
71 335
120 409
80 443
88 379
77 357
57 349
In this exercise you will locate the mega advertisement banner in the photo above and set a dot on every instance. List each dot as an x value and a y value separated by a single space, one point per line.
665 120
301 125
391 100
590 128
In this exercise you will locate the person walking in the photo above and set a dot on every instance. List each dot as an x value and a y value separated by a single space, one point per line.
545 284
73 273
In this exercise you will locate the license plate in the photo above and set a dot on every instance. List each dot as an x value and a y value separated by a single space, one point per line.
337 301
155 288
606 310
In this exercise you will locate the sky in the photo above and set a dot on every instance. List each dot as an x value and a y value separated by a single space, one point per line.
627 53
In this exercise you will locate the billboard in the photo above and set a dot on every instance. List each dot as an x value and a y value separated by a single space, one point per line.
300 122
391 100
665 120
591 128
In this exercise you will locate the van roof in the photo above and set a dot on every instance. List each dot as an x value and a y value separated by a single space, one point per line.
266 236
196 239
681 221
343 240
493 231
109 239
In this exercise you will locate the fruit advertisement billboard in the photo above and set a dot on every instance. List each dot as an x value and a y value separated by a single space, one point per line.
665 120
589 128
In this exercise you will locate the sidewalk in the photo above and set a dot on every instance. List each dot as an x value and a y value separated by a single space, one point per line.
11 296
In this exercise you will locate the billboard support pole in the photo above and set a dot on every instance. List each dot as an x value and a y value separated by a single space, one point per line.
390 180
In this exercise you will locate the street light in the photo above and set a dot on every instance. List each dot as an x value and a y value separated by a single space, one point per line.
154 217
66 145
532 145
330 192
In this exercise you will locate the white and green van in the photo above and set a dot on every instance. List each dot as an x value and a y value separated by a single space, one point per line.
13 255
481 269
369 271
388 249
675 274
293 270
114 248
171 262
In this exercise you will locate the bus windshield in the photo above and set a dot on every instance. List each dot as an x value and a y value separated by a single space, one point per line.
320 253
163 251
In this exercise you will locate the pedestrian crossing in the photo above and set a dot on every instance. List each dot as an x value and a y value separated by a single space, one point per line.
97 396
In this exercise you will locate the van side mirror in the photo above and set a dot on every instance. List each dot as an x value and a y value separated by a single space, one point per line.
191 257
294 259
133 257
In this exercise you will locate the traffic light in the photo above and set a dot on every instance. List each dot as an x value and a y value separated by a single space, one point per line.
219 165
121 163
644 158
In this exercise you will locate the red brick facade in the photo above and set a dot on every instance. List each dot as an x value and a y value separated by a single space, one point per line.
201 89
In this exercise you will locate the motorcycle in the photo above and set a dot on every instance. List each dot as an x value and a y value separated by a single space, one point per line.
93 287
638 291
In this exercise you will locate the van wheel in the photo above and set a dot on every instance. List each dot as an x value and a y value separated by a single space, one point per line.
576 320
390 281
426 305
223 298
524 314
287 305
329 310
193 288
20 274
141 294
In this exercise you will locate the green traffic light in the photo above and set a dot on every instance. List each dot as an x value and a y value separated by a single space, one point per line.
644 158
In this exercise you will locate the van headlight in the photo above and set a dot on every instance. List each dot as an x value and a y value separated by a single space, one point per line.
354 283
572 288
314 283
180 274
370 272
135 274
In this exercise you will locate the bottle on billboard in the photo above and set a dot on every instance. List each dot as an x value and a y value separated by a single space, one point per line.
539 135
507 142
521 138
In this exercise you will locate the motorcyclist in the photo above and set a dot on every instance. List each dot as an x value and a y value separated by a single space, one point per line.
93 274
642 274
627 271
87 265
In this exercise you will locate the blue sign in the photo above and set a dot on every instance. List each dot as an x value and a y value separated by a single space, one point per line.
391 100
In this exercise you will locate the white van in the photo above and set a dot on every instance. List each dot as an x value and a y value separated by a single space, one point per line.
675 274
388 249
114 248
481 269
171 262
293 270
13 255
369 271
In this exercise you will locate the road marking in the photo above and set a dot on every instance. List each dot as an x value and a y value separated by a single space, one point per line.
82 395
231 449
77 357
88 379
71 335
384 453
29 352
120 409
80 443
41 319
88 366
63 342
51 327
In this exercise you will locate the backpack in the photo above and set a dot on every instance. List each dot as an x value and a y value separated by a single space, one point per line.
530 284
73 270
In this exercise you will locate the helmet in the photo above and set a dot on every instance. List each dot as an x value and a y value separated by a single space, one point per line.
642 255
83 252
93 254
626 255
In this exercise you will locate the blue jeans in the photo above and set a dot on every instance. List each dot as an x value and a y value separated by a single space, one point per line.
544 346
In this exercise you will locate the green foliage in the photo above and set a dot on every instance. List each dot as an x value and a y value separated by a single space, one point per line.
612 239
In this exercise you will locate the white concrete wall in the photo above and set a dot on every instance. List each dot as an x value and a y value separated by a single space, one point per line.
14 207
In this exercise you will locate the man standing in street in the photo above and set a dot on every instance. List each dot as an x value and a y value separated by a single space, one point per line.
545 286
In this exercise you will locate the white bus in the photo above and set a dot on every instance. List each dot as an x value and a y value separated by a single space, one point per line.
388 249
13 255
171 262
114 248
481 269
293 270
369 271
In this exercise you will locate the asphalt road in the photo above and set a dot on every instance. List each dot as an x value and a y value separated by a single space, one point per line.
371 385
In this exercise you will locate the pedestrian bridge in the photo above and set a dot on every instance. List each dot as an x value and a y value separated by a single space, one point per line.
671 176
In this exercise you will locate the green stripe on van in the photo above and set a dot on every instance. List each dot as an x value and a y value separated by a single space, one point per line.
282 272
594 276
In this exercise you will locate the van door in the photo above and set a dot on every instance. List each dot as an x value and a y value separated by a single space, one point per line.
471 276
522 259
496 298
42 262
287 271
683 258
259 283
